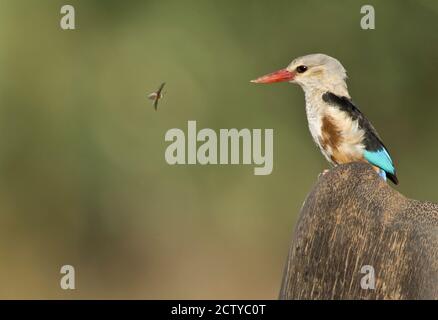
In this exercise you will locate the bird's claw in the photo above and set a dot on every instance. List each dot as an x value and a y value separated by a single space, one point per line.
323 173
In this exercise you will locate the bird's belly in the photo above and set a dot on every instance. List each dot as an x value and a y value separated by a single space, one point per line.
315 126
339 157
339 138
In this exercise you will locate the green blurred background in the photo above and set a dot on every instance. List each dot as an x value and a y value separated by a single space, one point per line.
83 180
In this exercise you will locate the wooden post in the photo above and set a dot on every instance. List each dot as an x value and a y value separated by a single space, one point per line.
353 223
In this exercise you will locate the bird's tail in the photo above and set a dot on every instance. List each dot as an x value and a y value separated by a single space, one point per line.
388 175
392 177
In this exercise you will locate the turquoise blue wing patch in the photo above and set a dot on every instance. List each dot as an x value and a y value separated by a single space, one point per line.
380 158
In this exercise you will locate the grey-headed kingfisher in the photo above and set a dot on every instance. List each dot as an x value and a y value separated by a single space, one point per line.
338 127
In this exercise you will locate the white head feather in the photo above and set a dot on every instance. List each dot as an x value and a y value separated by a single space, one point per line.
323 73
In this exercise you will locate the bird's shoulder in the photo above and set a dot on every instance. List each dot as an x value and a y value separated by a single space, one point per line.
342 103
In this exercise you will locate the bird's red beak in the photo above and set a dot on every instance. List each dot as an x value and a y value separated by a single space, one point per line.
277 76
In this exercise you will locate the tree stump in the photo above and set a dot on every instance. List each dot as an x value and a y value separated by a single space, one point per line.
352 219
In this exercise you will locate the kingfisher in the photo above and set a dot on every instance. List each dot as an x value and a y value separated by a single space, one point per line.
338 127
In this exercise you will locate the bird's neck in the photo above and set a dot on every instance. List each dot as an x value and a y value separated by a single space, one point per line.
314 95
339 89
330 83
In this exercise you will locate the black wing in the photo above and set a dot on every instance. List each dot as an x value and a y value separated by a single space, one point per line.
372 141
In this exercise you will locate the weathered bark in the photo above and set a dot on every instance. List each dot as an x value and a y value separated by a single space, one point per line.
352 218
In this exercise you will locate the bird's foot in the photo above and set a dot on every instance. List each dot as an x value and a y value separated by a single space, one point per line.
323 173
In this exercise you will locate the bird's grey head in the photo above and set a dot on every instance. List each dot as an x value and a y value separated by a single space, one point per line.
312 72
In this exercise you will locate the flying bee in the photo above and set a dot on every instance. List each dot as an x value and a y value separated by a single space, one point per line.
157 95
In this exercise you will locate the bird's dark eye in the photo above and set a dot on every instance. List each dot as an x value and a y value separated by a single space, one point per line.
301 69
